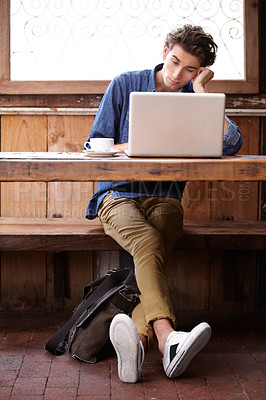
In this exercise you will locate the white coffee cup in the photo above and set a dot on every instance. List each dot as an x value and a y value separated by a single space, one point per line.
100 144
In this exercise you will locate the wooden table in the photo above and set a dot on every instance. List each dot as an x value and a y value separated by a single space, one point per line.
72 167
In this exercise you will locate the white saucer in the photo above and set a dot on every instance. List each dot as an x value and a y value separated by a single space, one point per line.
93 153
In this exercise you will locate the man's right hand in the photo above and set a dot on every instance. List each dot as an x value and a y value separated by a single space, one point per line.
203 76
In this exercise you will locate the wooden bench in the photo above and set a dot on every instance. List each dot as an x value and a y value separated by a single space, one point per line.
57 234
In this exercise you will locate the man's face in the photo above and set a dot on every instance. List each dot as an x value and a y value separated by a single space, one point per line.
179 68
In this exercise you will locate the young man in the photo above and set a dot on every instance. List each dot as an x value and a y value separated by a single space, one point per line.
146 218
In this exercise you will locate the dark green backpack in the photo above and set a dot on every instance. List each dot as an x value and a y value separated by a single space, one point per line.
86 334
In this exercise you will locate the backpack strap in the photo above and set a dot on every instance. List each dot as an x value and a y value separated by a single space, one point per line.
98 281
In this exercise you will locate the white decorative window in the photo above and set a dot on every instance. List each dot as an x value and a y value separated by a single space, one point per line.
98 39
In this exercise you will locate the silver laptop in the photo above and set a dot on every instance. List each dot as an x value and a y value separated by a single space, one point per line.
176 124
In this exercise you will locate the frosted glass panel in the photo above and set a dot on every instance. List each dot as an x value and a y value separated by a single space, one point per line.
96 40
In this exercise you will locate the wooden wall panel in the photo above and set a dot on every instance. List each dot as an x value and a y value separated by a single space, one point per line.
70 200
188 276
23 199
239 200
236 201
78 274
216 287
23 281
227 200
196 201
189 271
67 274
23 276
233 281
68 133
23 133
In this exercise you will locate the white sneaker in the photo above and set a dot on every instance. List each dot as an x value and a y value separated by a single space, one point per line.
129 349
181 347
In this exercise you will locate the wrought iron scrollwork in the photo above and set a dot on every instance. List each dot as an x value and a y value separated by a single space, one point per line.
120 25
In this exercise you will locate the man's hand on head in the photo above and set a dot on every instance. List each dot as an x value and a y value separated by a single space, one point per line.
203 76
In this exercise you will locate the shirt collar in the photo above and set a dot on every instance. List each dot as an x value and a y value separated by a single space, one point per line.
151 87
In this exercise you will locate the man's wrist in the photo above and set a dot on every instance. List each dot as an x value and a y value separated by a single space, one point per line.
199 89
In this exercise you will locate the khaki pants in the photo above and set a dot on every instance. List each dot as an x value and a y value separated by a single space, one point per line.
148 228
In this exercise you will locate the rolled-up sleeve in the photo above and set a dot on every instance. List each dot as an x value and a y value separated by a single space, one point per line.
232 139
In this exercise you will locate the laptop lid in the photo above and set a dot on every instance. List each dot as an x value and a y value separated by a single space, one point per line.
180 124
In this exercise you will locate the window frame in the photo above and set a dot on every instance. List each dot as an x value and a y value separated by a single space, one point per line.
250 85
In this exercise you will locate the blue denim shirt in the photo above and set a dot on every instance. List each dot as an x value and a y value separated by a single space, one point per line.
112 121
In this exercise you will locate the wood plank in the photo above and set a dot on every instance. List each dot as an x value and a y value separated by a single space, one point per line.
232 283
69 200
188 278
64 234
23 199
121 168
78 272
236 201
251 23
196 201
246 101
54 301
23 276
53 87
226 201
8 87
91 101
76 226
106 260
5 41
67 134
52 101
23 133
68 273
239 200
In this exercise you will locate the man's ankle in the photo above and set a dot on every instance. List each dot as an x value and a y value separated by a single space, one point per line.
143 340
162 329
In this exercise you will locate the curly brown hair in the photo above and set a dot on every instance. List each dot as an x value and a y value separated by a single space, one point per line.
194 41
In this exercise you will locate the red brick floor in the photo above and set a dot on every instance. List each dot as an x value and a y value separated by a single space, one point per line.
232 366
